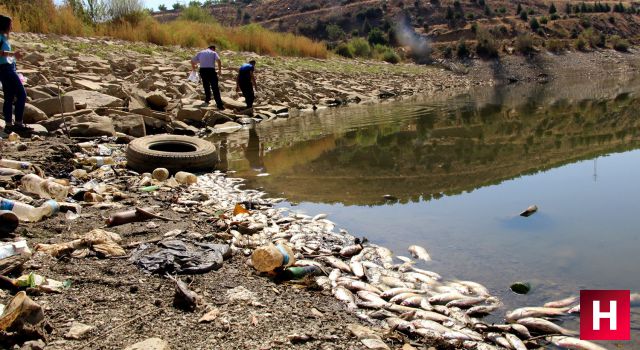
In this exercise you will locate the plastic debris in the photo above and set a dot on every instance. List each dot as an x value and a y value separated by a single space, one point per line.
180 257
102 243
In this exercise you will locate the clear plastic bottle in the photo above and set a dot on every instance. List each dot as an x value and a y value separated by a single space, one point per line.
270 257
29 213
14 164
100 161
185 178
45 188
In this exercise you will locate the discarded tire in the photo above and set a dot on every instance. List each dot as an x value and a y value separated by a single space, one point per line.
173 152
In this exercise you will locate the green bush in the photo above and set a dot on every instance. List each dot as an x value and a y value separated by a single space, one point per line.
487 45
196 14
554 17
447 52
534 24
377 36
360 47
580 44
391 57
544 20
524 16
462 50
556 46
619 44
334 32
524 44
344 50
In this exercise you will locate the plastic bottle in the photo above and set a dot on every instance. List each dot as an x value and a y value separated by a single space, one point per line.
185 178
8 249
160 174
29 213
270 257
48 188
10 172
13 137
8 222
99 161
14 164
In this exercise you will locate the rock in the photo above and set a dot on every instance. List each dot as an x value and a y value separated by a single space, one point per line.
375 344
194 114
95 99
34 58
51 106
157 100
132 125
37 94
91 125
231 103
34 345
240 295
38 129
79 331
209 316
86 84
362 332
180 128
150 344
227 127
31 113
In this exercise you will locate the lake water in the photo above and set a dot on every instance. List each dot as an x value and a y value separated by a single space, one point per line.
462 168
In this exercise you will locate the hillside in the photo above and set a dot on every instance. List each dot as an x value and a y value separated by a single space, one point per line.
497 24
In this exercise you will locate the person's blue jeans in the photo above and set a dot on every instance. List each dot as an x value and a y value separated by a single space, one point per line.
13 89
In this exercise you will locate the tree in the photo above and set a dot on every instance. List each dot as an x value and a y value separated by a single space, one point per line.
518 9
552 9
334 32
567 9
534 24
366 27
449 15
162 8
376 36
177 6
195 3
524 16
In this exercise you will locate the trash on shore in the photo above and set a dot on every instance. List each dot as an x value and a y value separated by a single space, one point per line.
100 242
129 216
29 213
44 284
13 255
270 257
8 222
21 320
521 287
176 256
529 211
184 298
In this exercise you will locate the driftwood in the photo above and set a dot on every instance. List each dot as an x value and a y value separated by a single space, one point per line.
11 263
129 216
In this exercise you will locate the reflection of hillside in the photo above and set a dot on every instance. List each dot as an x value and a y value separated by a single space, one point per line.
456 147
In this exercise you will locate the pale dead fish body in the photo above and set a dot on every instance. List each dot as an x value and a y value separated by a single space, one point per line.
404 259
562 303
334 275
444 298
534 312
370 305
480 310
467 302
427 315
499 339
351 250
370 296
459 315
419 253
458 335
394 282
574 343
318 217
476 288
428 324
324 282
344 295
400 324
381 314
305 262
415 277
359 285
400 309
431 274
522 330
544 326
398 299
516 343
357 268
429 334
574 310
337 263
416 301
479 346
396 291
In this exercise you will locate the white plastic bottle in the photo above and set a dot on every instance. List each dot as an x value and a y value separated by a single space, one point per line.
29 213
185 178
14 164
45 188
100 161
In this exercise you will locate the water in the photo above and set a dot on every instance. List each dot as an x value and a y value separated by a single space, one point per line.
462 168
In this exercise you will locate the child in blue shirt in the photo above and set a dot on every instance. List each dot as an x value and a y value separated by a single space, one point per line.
11 83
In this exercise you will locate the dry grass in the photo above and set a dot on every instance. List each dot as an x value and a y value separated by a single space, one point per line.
42 16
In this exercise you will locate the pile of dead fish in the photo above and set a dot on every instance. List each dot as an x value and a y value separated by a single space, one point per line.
400 296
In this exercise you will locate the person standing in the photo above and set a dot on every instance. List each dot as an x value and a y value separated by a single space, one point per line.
11 83
246 82
207 60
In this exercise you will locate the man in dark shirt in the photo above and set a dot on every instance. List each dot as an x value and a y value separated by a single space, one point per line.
247 82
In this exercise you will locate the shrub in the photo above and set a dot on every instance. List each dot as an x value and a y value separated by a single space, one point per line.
447 52
554 17
487 45
552 9
524 44
534 24
593 38
544 20
391 57
377 36
196 14
580 44
344 50
360 47
557 46
523 16
334 32
619 44
462 51
519 9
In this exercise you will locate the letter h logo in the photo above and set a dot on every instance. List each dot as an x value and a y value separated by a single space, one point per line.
605 315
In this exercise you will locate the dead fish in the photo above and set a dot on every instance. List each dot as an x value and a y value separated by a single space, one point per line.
431 274
459 315
395 282
562 303
444 298
525 312
419 253
305 262
355 286
370 305
499 339
343 294
370 296
426 315
417 301
417 277
400 309
459 335
480 310
337 263
428 334
386 256
516 343
529 211
319 216
574 343
381 314
398 299
522 330
428 324
357 268
404 259
544 326
390 293
323 282
396 323
476 288
479 346
574 310
466 303
351 250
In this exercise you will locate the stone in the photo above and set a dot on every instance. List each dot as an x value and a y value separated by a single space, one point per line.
227 127
38 129
86 84
34 345
362 332
94 99
37 94
150 344
132 125
34 58
194 114
91 125
181 128
79 331
231 103
375 344
240 295
51 106
31 114
157 100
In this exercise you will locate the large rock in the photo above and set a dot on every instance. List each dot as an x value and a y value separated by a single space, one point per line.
31 114
86 84
231 103
94 99
150 344
52 105
157 100
34 58
37 94
132 125
194 114
227 127
91 125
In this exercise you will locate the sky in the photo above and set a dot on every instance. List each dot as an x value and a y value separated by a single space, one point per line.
153 4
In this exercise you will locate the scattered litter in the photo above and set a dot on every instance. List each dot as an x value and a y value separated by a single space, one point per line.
176 256
102 243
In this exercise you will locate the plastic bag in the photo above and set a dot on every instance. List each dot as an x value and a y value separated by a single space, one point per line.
193 77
